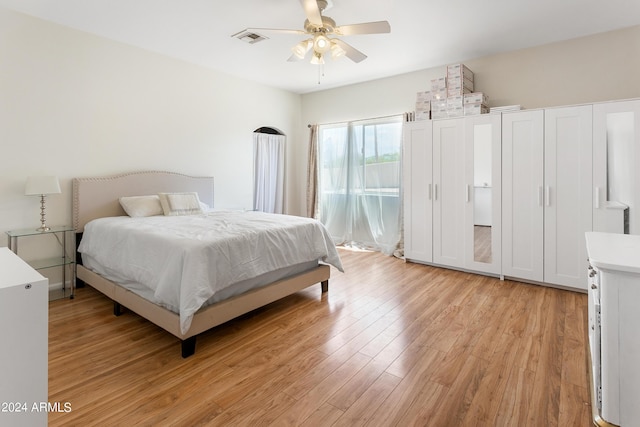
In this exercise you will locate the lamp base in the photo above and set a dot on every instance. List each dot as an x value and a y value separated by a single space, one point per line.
43 224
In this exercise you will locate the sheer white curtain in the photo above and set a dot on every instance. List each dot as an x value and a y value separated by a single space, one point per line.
268 157
359 183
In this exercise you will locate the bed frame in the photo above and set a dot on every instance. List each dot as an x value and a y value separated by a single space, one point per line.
98 197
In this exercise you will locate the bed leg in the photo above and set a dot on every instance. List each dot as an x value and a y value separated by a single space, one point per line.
325 286
188 347
117 309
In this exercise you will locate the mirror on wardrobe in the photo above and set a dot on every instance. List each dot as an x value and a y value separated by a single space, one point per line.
482 189
620 174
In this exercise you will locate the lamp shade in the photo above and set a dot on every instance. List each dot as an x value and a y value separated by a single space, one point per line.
300 50
39 185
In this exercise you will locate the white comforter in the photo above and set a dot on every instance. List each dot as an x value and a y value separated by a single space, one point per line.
185 260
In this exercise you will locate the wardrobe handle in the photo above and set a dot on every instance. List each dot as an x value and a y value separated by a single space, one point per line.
467 194
596 198
547 196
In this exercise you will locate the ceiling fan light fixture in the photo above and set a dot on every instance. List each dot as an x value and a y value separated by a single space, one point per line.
317 58
336 50
321 43
300 50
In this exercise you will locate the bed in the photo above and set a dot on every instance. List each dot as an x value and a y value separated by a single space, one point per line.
188 273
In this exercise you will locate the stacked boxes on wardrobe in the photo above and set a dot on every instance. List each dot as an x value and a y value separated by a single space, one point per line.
459 80
439 98
475 103
453 96
423 106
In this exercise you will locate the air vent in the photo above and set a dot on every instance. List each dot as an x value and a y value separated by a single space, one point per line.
249 37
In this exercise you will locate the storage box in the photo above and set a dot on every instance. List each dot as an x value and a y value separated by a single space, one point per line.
439 104
423 106
475 98
423 96
459 70
422 115
455 112
437 84
455 102
458 91
439 114
438 95
458 83
475 109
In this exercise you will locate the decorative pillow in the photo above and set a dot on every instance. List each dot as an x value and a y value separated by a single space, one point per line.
180 204
140 206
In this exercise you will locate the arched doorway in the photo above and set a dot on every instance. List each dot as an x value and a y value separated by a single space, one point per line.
268 161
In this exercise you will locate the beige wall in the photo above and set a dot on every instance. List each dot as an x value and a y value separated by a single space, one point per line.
589 69
73 104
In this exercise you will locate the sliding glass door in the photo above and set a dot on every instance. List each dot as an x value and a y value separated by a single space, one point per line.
359 182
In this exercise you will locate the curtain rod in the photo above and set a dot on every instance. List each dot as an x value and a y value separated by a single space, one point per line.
358 120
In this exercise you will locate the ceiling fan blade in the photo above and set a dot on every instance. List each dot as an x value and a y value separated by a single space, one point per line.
312 12
278 30
350 52
377 27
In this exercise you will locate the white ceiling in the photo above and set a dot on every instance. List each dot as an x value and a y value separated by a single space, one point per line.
424 34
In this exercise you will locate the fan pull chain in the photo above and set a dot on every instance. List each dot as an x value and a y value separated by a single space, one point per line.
320 72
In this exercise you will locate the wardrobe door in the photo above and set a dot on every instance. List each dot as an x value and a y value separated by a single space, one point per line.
418 190
448 192
522 194
567 194
482 153
616 162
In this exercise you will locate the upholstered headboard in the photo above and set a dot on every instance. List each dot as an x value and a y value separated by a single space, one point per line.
97 197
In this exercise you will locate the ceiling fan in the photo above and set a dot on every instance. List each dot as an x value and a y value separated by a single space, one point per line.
323 32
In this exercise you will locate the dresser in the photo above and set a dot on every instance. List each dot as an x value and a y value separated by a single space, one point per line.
614 327
24 314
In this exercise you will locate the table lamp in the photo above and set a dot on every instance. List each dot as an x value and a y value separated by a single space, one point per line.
41 186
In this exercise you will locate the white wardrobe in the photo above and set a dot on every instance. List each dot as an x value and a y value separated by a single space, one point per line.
444 162
547 177
522 195
418 190
547 167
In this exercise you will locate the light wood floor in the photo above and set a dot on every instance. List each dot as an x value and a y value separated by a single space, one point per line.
391 344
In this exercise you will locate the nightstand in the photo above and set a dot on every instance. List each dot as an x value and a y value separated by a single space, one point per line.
65 263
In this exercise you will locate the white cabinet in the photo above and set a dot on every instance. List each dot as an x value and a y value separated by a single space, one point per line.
451 172
418 190
560 172
522 194
448 192
482 193
616 161
24 299
546 205
567 194
614 341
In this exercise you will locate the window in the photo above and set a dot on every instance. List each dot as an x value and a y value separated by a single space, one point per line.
359 182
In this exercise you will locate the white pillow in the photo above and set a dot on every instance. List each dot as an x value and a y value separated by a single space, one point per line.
140 206
205 207
180 204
